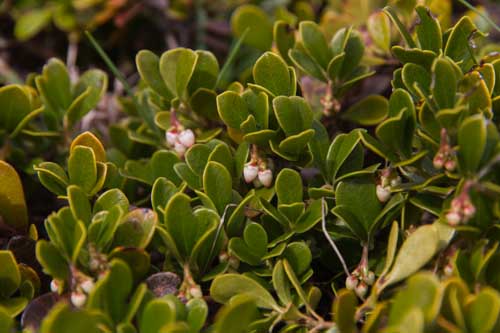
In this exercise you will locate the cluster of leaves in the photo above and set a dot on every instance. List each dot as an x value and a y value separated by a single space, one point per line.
241 195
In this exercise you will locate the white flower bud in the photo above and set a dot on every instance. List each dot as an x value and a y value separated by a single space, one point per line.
250 172
54 286
195 291
351 282
266 177
78 299
87 285
234 262
369 278
171 137
187 138
383 193
180 149
396 181
448 270
361 290
453 218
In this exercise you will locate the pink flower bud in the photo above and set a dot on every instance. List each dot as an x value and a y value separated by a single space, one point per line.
171 137
383 193
453 218
266 177
361 290
468 209
438 161
187 138
450 165
351 282
78 299
250 172
180 149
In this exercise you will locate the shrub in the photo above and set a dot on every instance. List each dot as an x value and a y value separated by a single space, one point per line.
263 205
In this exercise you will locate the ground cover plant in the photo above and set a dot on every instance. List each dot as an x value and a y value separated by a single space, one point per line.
327 174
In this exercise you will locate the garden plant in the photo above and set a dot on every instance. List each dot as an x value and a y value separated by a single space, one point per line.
337 170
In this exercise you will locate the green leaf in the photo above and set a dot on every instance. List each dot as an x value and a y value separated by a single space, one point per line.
217 184
457 45
232 108
205 72
62 318
281 283
401 28
315 43
51 260
88 91
103 227
55 86
288 186
293 113
471 142
482 311
252 247
348 194
183 226
416 75
284 37
260 28
379 28
428 30
15 104
82 168
176 68
31 23
204 102
88 139
10 276
136 229
224 287
344 310
111 292
197 314
444 83
156 314
271 72
415 252
422 291
110 199
236 316
298 256
79 204
368 112
148 66
12 204
306 64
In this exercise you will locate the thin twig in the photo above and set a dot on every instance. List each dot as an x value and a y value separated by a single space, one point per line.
330 240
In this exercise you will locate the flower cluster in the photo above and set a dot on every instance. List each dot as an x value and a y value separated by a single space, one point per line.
461 208
180 139
257 171
388 180
445 157
359 280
